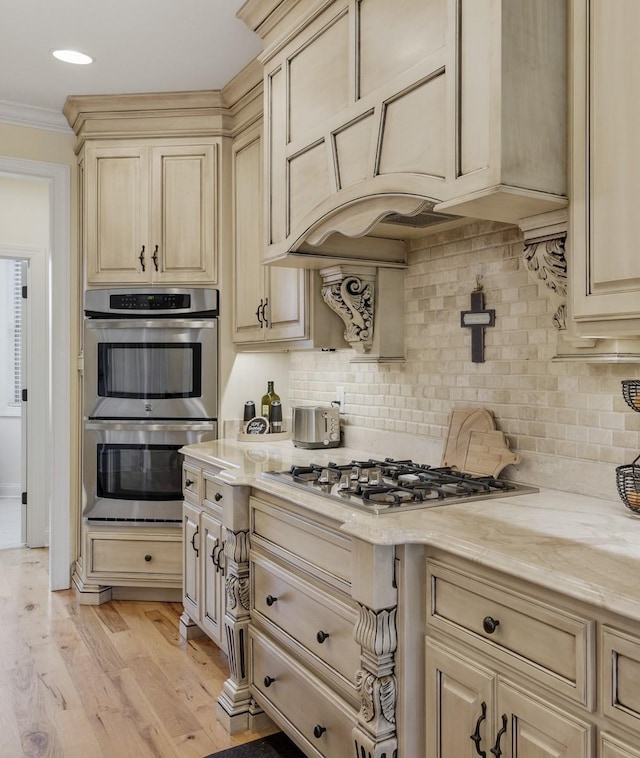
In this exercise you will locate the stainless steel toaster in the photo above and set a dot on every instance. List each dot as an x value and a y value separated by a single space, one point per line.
315 426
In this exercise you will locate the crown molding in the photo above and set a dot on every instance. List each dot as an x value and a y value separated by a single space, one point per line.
34 117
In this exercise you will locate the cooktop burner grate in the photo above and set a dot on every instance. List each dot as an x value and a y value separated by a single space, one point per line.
382 485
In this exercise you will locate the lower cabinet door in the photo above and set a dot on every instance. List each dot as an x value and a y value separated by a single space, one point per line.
459 702
212 579
315 717
529 728
190 559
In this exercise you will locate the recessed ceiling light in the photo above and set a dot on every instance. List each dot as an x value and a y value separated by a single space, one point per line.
72 56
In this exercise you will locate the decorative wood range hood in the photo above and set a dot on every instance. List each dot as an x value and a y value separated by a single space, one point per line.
383 120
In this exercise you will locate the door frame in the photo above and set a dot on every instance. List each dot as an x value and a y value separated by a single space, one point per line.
54 386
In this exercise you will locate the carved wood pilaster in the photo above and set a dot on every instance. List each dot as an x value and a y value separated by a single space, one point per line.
234 701
350 293
375 735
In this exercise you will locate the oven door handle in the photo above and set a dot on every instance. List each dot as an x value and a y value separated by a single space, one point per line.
148 323
153 426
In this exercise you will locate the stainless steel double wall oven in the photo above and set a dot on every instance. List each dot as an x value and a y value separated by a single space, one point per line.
150 387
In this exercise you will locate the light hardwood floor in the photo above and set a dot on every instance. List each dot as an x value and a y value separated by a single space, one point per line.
115 680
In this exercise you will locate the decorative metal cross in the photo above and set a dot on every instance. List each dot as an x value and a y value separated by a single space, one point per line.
477 319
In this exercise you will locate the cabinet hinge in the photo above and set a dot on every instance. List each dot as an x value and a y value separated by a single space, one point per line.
24 498
24 396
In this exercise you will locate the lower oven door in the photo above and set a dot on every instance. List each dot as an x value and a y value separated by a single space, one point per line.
132 471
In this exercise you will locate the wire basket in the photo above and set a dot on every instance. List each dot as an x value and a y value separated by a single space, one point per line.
628 483
631 393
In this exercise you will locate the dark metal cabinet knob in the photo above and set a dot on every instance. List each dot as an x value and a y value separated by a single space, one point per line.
318 731
322 636
148 558
218 497
268 681
490 624
188 482
270 600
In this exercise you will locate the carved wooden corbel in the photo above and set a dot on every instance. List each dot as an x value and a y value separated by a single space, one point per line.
544 256
350 293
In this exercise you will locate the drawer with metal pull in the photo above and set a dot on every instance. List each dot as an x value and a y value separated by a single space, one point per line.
532 635
191 482
130 557
293 696
317 621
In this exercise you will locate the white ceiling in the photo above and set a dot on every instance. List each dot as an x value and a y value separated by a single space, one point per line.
138 46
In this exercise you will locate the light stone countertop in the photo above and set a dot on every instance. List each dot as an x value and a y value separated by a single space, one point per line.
585 547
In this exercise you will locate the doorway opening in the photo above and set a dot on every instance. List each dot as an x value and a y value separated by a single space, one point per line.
13 443
49 364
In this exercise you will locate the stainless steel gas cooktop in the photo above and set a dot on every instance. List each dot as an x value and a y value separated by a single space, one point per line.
380 486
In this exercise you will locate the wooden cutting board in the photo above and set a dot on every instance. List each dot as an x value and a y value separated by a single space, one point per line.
461 423
488 453
475 445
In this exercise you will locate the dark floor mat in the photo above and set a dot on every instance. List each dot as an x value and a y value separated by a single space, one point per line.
275 746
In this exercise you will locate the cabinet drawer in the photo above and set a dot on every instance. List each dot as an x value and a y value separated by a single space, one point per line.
621 676
136 557
191 482
290 693
535 637
310 545
321 623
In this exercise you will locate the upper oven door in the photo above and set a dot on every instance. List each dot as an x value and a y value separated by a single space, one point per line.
151 369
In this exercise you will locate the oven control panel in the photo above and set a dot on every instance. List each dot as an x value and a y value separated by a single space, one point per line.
141 301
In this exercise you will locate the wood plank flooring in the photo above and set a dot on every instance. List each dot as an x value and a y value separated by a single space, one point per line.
117 680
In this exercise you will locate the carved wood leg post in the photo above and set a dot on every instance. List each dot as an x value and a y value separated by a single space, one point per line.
235 702
375 735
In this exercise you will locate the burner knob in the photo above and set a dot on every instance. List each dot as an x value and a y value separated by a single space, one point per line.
345 482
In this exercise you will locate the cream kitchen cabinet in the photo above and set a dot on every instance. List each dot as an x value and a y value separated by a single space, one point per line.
151 212
431 111
272 305
120 562
470 709
322 635
203 572
216 581
605 150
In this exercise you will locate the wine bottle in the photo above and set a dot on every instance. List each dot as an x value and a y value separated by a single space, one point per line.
265 404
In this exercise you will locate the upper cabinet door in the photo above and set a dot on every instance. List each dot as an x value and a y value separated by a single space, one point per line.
116 221
605 128
184 221
151 213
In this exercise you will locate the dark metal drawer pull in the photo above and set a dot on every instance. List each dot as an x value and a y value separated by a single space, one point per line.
188 482
268 681
148 558
270 600
193 540
322 636
490 624
318 731
496 750
476 735
217 497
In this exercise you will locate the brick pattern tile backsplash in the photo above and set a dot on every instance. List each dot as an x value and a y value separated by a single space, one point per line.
569 409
